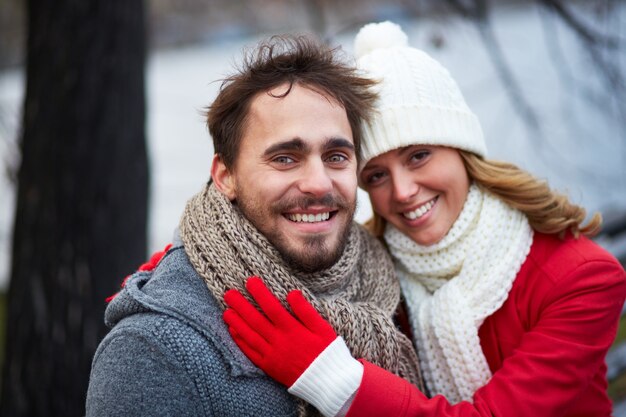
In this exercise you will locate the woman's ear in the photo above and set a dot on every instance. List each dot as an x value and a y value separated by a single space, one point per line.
222 177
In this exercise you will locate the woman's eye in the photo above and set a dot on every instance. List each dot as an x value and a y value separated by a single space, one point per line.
374 178
420 155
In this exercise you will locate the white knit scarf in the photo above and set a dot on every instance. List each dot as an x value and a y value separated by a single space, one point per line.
453 285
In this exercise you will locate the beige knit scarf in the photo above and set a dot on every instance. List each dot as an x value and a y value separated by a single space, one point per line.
451 287
358 295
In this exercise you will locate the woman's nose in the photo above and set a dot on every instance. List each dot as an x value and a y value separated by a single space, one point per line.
404 188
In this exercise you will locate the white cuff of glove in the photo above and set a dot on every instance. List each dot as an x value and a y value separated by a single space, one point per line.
330 380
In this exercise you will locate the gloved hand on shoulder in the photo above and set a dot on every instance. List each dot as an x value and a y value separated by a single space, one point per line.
303 352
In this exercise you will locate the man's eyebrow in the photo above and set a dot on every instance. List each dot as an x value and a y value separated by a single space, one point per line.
295 144
338 143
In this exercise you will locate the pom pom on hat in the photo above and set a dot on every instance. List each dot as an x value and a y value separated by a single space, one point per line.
377 36
419 101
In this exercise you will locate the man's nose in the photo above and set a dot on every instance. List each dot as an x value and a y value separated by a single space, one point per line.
315 179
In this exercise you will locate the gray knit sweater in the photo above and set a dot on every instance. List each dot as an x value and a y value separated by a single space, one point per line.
170 354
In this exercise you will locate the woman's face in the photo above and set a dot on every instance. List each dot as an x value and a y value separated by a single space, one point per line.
420 189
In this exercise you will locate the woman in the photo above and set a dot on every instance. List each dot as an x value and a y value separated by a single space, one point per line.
512 308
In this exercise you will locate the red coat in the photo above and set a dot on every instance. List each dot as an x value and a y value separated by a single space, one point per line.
545 346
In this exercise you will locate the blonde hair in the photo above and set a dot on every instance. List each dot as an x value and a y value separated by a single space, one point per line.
547 211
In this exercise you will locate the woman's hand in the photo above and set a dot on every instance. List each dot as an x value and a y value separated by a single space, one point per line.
282 345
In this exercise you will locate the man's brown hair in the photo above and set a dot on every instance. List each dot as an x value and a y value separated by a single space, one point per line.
293 60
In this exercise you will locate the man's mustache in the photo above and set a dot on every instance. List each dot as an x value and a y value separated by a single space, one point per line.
304 202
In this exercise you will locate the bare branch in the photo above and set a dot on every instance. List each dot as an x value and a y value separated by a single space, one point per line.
316 12
512 87
588 34
594 44
560 63
475 12
479 15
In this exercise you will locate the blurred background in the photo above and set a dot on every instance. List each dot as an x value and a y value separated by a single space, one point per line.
102 139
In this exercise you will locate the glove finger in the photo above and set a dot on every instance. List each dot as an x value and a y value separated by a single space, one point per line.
248 313
308 315
268 302
154 259
243 329
254 356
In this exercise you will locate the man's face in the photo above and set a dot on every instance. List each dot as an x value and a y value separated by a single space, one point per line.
295 175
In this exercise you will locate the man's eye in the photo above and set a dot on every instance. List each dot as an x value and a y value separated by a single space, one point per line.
337 158
284 160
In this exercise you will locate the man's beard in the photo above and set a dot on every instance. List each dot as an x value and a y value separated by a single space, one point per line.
314 254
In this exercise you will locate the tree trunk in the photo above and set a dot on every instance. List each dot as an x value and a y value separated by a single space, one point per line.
81 215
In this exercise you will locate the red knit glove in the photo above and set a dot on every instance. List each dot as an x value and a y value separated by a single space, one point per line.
281 345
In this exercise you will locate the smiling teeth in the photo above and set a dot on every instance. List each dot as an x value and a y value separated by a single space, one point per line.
309 218
420 211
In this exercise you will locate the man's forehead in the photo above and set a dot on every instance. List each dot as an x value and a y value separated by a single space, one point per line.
285 91
303 120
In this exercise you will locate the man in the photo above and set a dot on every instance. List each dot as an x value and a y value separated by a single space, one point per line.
286 131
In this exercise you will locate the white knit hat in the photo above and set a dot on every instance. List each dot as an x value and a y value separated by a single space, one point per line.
419 103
